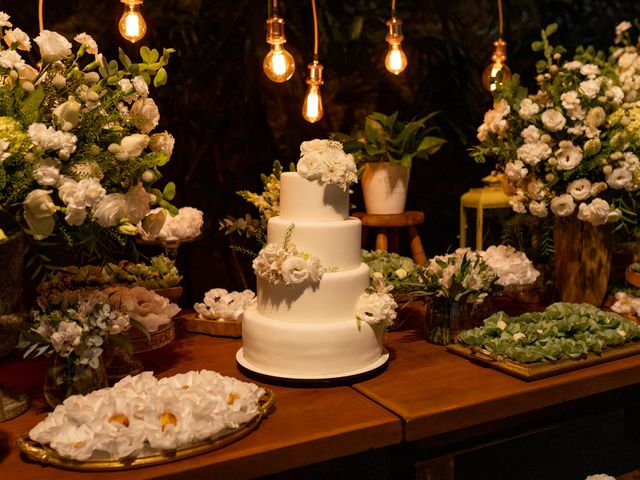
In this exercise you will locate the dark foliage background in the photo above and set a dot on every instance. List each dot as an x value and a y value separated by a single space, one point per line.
231 123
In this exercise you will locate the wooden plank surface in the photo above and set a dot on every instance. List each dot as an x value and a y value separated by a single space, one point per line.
437 392
309 425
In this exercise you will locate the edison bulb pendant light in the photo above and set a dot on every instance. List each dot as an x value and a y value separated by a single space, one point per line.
132 25
497 71
396 60
312 107
278 64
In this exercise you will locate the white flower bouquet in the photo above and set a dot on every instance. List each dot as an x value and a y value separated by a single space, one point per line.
571 147
77 153
325 161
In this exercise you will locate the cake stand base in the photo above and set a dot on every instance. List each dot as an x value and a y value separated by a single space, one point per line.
342 377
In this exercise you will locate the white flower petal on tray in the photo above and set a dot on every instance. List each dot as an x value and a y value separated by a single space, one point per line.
145 306
220 304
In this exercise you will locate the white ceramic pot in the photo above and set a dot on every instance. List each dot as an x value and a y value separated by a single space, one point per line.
384 187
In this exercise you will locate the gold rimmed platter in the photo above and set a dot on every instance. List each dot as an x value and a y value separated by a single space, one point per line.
46 454
538 370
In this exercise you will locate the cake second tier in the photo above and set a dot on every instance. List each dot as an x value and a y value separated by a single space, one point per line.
336 244
333 299
302 199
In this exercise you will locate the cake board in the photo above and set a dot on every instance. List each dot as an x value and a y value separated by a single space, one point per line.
343 378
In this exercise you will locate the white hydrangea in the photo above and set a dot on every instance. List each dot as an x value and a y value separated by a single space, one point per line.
553 120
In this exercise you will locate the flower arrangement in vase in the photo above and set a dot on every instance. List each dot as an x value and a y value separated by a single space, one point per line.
569 150
384 152
77 154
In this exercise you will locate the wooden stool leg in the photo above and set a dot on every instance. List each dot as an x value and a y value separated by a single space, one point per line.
416 247
394 240
479 228
381 240
463 227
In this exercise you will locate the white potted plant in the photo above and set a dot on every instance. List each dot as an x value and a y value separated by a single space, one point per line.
384 152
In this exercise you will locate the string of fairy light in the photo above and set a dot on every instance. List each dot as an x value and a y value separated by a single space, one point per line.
279 65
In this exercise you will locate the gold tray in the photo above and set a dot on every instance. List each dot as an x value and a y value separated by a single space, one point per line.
45 454
538 370
220 328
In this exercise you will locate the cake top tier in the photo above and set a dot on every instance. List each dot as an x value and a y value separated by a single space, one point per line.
310 200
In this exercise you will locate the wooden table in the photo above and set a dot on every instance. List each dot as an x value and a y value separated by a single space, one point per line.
309 425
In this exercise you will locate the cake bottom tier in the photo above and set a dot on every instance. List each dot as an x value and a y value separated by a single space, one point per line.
308 349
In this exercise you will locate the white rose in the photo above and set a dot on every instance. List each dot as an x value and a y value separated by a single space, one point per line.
145 114
589 70
568 155
553 120
130 146
596 116
294 271
110 210
530 134
38 213
570 100
538 209
563 205
311 161
528 108
68 114
162 142
596 213
533 153
589 88
619 178
580 189
315 269
53 46
18 38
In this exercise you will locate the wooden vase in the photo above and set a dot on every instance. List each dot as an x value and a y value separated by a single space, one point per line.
582 260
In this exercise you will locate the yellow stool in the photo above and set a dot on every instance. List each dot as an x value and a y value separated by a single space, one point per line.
490 196
387 235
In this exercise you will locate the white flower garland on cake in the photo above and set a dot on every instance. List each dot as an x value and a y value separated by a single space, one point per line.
377 307
325 160
285 264
142 411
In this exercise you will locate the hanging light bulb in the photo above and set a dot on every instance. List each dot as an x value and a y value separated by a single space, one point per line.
497 71
396 60
278 64
312 107
132 25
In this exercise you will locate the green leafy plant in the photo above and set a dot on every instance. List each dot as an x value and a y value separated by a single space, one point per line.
387 139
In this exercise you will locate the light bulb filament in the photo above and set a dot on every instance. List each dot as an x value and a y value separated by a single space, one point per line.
132 25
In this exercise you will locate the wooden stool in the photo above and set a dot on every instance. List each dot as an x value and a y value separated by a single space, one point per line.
387 235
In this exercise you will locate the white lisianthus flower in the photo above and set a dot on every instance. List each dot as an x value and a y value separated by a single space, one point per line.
88 42
531 134
528 108
572 65
38 213
596 116
553 120
589 70
568 155
570 100
11 59
515 171
315 268
533 153
162 142
140 86
53 46
596 212
294 271
538 209
590 88
376 309
68 114
563 205
18 39
47 172
145 114
619 178
580 189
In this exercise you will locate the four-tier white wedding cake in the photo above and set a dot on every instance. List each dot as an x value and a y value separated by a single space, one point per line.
311 282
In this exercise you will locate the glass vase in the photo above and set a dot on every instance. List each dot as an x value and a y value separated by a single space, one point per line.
66 377
446 318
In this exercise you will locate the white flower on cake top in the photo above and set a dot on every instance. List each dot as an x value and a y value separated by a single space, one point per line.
325 161
141 412
220 304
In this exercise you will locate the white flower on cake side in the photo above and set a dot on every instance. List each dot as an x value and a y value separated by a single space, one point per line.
376 306
285 264
219 304
325 161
